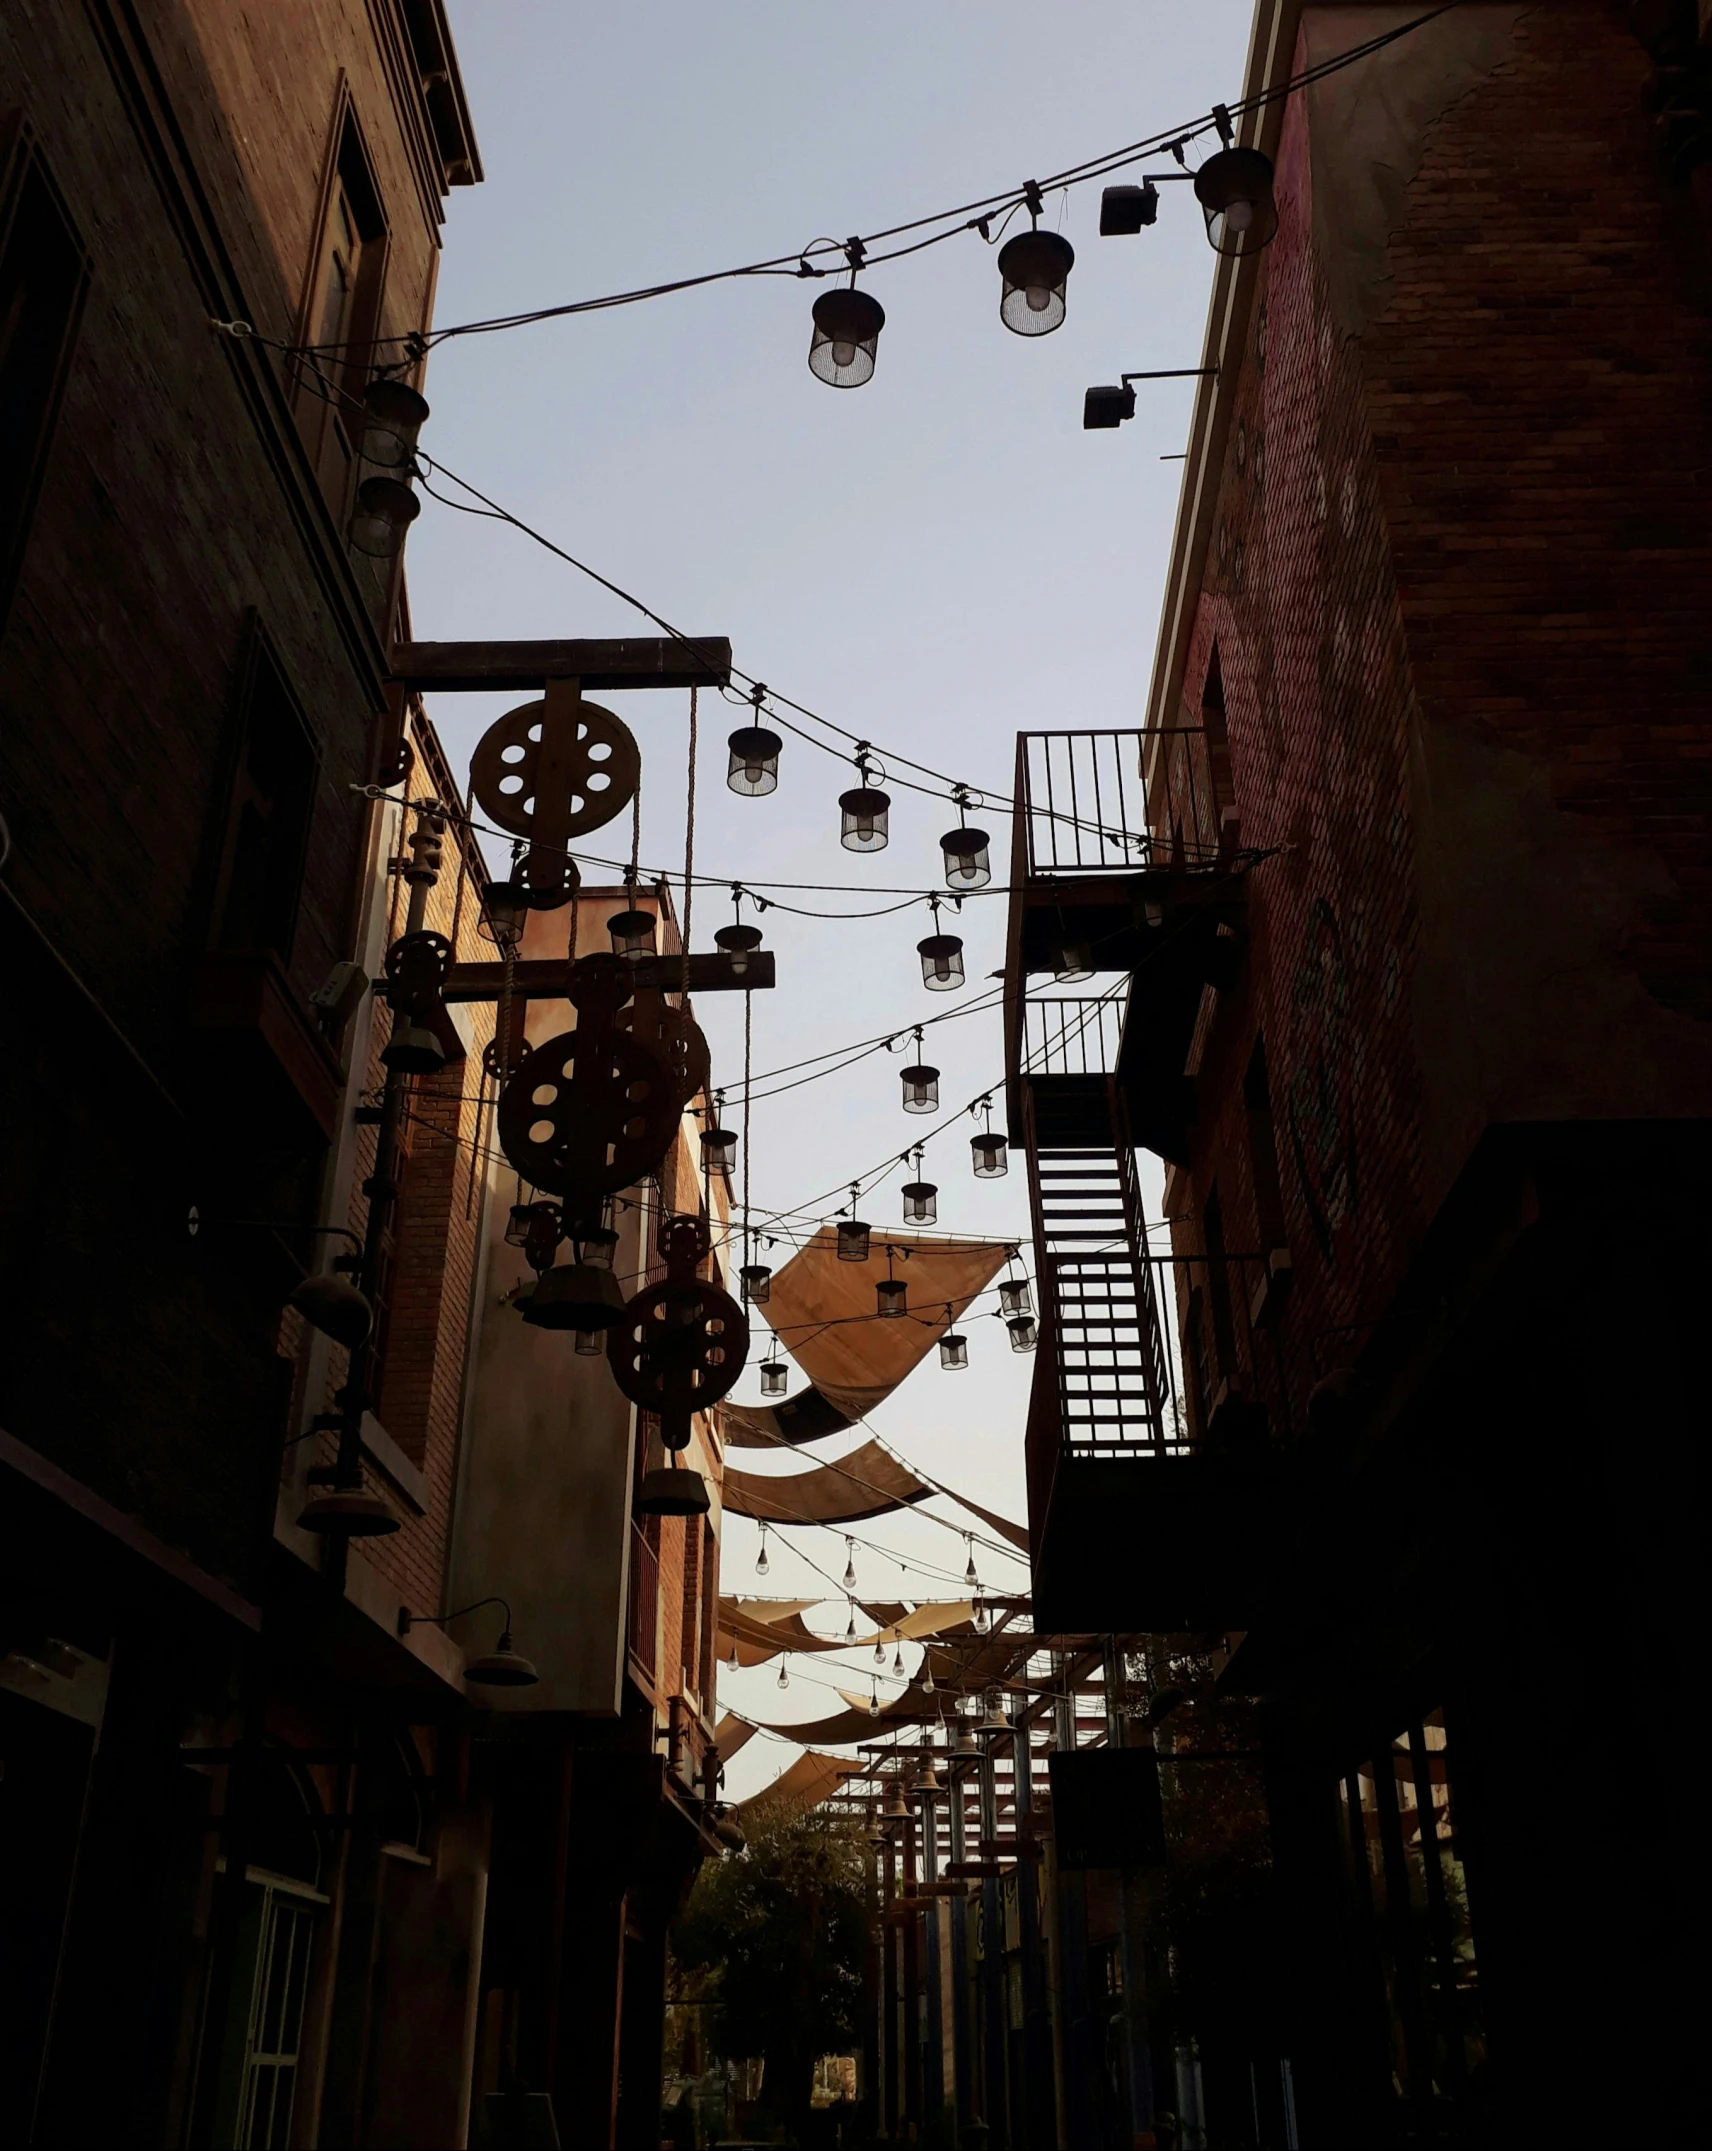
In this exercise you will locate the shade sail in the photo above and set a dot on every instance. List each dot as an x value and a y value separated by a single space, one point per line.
870 1481
809 1780
759 1629
823 1312
730 1734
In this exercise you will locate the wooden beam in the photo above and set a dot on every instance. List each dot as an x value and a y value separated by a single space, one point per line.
632 661
542 978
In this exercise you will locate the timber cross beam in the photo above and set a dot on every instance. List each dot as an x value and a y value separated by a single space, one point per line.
545 978
632 661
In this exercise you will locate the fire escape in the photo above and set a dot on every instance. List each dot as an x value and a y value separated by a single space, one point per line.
1137 1520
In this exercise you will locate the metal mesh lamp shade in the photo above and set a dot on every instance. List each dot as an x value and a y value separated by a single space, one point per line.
921 1202
593 1244
847 327
892 1297
1234 189
990 1154
773 1377
953 1349
1034 267
503 906
393 415
921 1088
864 812
757 1283
384 511
754 769
632 934
941 962
1014 1297
1024 1336
718 1149
739 943
968 861
1072 961
852 1239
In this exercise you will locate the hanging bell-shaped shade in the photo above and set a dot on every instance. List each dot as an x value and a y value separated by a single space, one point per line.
413 1049
739 943
966 1744
927 1781
384 511
864 825
675 1491
347 1512
953 1349
756 1281
1024 1335
1034 268
574 1295
921 1202
941 962
774 1374
590 1344
1234 189
632 934
847 327
991 1155
718 1149
1014 1297
502 1667
334 1306
894 1809
995 1720
754 768
892 1297
1072 961
504 906
853 1239
921 1088
968 859
393 415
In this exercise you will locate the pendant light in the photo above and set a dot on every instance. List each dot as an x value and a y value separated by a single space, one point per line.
1072 961
953 1348
334 1306
891 1294
864 809
920 1082
927 1669
847 327
853 1232
1014 1297
988 1152
1024 1335
1033 270
849 1566
850 1625
873 1698
393 415
921 1197
784 1677
734 1663
632 930
384 511
1125 210
941 957
754 750
504 907
762 1564
738 942
757 1283
575 1295
718 1151
1234 189
879 1652
898 1662
969 1575
774 1375
967 852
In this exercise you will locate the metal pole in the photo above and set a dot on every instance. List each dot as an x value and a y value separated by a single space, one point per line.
934 2089
993 2039
1132 1922
961 2026
1037 2030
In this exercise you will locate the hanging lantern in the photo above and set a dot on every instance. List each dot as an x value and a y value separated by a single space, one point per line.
1072 961
754 769
739 943
518 1224
384 511
953 1349
873 1700
756 1281
504 905
1234 189
990 1153
393 415
590 1344
413 1049
995 1720
1024 1336
594 1244
892 1297
921 1202
969 1575
784 1677
774 1374
941 960
1014 1297
850 1573
847 327
898 1662
850 1625
632 934
334 1306
927 1670
575 1295
921 1088
1034 268
968 860
853 1239
864 810
762 1564
718 1150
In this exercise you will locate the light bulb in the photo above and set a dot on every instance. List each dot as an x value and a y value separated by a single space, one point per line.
734 1662
843 354
761 1562
850 1632
1239 217
969 1575
1039 298
874 1704
784 1677
879 1652
849 1565
898 1660
927 1674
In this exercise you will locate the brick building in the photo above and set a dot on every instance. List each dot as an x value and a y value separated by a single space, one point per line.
1412 999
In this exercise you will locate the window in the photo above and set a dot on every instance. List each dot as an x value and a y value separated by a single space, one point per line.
341 316
260 875
1217 738
43 276
1263 1151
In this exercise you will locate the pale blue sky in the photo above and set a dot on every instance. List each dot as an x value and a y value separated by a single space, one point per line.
935 561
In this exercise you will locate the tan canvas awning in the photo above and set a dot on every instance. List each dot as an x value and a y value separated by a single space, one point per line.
809 1780
868 1482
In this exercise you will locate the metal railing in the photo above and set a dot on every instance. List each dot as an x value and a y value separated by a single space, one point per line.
1080 807
1073 1035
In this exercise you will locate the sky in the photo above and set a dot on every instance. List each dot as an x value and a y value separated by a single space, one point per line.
935 561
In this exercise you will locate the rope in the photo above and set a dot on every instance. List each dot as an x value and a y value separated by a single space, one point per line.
748 1030
689 850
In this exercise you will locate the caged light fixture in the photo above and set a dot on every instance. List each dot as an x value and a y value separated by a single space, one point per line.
1034 268
921 1084
504 905
1024 1335
921 1197
385 509
953 1346
393 415
756 1280
967 852
990 1153
941 957
753 771
1234 189
1014 1298
774 1375
853 1232
632 930
1072 962
864 810
718 1145
737 941
846 336
891 1294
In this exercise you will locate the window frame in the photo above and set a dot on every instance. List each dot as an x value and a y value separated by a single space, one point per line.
260 670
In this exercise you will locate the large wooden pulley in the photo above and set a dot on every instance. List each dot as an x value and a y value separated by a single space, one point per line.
588 1113
674 1035
553 770
682 1343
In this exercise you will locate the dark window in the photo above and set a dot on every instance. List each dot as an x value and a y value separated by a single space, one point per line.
1263 1151
43 276
260 878
1216 735
341 317
1218 1283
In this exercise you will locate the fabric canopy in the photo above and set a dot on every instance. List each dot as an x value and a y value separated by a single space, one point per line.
870 1481
732 1733
809 1780
759 1629
823 1312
